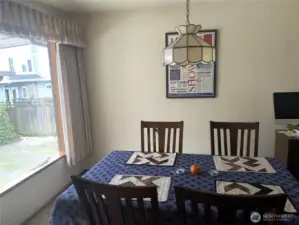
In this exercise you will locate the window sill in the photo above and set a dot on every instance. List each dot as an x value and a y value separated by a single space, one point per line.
28 175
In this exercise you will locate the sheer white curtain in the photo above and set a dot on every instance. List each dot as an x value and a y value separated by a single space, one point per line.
75 105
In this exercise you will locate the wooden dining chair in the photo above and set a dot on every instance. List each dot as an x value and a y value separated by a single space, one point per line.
234 139
117 205
227 206
162 136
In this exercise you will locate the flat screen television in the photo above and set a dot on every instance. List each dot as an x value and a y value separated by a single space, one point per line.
286 105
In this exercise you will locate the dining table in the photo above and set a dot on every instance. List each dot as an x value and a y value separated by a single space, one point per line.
68 210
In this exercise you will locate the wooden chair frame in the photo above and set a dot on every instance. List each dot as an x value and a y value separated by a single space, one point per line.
233 128
160 128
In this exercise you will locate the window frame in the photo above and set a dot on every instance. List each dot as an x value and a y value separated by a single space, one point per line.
52 47
52 50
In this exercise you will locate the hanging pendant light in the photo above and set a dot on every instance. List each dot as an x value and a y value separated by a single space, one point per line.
188 48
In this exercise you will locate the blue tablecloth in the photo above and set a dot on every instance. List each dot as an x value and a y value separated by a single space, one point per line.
68 210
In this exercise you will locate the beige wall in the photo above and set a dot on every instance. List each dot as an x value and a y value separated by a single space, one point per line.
258 55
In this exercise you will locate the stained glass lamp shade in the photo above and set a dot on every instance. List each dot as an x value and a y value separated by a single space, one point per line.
188 48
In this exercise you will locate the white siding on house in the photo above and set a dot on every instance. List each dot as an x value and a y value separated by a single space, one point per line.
20 56
44 90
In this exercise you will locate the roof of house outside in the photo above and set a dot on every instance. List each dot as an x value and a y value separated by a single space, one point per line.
7 41
24 77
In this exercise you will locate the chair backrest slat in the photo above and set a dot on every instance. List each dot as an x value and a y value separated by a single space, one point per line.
242 142
219 139
119 205
161 136
141 212
94 207
148 138
233 141
154 140
115 209
102 207
227 205
248 143
155 208
129 211
234 134
174 142
225 141
168 140
194 205
174 139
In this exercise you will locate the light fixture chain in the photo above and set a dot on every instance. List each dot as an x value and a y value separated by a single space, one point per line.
187 11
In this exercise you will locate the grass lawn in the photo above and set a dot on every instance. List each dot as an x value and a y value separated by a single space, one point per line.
28 154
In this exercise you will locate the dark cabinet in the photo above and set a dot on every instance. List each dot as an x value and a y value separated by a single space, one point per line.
287 151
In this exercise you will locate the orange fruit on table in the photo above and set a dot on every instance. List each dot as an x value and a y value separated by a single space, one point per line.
195 169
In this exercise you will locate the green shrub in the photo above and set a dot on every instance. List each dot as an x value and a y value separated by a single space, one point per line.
7 131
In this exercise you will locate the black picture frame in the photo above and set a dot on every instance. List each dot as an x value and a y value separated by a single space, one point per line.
214 32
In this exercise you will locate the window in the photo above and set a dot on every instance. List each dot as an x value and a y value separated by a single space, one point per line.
14 93
25 92
24 68
11 65
33 134
29 62
7 95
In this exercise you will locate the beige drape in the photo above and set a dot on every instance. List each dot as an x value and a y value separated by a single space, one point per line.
23 21
75 104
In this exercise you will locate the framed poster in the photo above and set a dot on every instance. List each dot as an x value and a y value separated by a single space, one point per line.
192 81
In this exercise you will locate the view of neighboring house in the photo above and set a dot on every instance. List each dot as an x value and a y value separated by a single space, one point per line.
25 86
25 73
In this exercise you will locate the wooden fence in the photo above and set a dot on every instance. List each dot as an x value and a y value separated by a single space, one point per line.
33 118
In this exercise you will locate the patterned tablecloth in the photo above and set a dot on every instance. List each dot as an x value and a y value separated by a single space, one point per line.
68 210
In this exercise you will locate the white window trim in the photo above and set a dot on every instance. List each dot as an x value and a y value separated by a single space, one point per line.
23 92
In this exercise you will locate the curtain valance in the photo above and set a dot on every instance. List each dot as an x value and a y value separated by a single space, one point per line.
23 21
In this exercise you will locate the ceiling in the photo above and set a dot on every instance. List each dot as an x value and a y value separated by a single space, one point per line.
89 6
